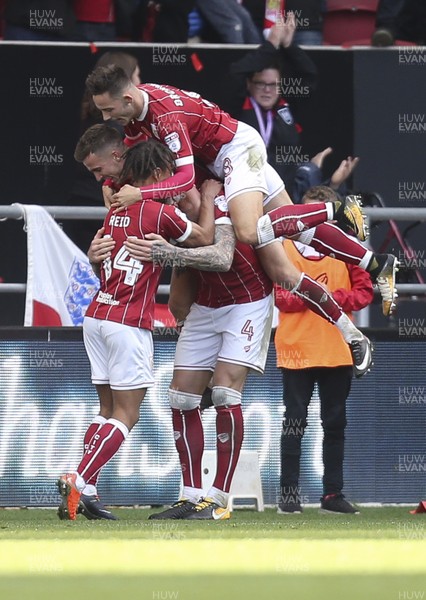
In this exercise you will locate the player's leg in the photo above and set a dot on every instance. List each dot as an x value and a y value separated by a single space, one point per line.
245 331
328 239
298 385
184 397
242 164
281 270
90 494
196 354
90 505
334 386
129 353
104 446
228 381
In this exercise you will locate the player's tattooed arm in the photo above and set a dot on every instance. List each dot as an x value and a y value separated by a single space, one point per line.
217 257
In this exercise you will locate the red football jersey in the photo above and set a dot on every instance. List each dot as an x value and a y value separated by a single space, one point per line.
128 286
188 124
246 281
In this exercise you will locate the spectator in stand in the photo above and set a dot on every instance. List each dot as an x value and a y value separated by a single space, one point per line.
231 23
50 20
277 67
309 351
161 21
95 20
310 174
403 20
309 20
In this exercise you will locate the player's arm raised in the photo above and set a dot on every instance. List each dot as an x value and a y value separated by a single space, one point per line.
181 181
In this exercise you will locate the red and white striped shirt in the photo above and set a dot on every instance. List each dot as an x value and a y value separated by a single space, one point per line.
189 125
246 281
128 286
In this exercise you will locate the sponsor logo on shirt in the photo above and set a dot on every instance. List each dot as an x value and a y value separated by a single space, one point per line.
104 298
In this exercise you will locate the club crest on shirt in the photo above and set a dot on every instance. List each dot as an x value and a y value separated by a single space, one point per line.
286 115
173 141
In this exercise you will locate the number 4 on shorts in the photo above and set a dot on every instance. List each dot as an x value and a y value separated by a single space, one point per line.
247 329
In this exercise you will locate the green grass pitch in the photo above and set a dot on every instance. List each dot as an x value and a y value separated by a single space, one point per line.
377 555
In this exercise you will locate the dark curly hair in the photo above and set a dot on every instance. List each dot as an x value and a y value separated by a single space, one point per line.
141 160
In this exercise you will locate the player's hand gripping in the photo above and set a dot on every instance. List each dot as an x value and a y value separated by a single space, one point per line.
107 193
127 196
153 248
100 247
210 189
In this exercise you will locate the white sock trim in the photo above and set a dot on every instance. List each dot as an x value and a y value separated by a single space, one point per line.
80 484
330 210
183 400
307 236
121 426
90 490
265 231
365 260
192 494
224 396
219 496
100 420
348 329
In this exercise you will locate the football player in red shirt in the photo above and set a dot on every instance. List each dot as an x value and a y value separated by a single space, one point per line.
118 323
226 334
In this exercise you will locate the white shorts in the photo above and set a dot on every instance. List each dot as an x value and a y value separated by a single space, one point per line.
120 355
243 166
237 334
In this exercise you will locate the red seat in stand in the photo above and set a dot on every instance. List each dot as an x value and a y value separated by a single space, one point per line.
346 21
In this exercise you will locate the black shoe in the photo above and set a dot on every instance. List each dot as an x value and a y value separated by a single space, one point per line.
336 503
62 511
350 217
362 355
285 507
207 508
93 509
178 510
